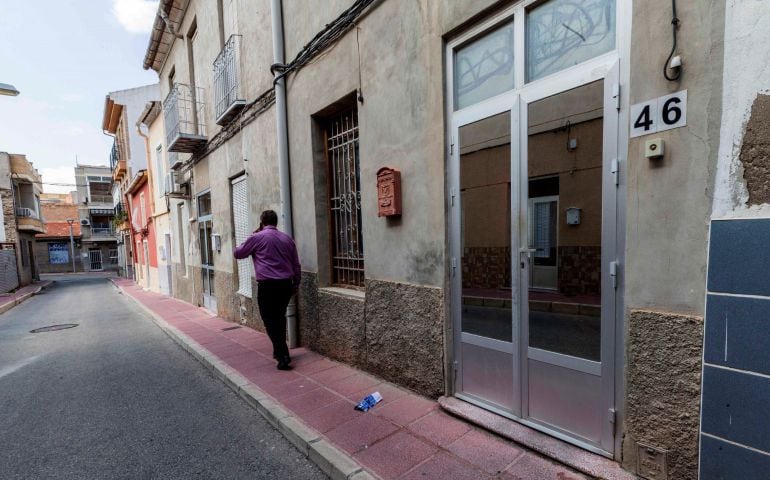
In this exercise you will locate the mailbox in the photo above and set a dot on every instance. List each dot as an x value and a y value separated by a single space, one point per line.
388 192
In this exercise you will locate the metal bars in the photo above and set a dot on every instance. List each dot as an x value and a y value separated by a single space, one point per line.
240 198
183 117
227 73
345 200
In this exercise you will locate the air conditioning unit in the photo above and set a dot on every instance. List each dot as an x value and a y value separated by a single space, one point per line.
171 184
85 222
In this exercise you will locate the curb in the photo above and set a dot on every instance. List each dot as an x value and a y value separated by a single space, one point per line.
337 464
10 305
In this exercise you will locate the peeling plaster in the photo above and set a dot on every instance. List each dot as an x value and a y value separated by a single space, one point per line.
746 75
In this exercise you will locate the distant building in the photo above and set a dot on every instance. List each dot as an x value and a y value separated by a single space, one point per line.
96 214
55 249
129 156
20 189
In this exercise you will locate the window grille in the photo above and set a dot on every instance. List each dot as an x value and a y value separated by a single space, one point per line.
241 229
345 200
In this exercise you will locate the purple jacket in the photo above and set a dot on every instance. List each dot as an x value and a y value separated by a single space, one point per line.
274 254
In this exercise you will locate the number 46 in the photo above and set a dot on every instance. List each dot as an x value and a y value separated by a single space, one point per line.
664 113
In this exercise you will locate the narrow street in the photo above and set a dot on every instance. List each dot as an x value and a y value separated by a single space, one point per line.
115 397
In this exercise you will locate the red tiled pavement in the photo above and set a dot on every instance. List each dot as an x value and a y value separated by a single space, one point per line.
405 436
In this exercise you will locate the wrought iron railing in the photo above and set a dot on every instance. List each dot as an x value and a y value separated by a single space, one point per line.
227 77
184 117
102 231
26 212
114 155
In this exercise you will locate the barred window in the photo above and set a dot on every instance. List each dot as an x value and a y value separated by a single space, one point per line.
347 246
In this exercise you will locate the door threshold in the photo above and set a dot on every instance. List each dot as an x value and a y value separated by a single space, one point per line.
575 457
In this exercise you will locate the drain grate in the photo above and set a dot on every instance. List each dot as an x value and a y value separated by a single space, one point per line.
53 328
230 328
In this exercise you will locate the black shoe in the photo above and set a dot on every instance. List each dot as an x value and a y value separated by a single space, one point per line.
283 365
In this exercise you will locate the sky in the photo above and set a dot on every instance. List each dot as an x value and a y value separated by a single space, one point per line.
64 56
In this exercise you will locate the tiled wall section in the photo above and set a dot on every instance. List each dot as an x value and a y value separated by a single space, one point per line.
736 370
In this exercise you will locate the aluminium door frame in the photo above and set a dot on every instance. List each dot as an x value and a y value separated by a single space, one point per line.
582 74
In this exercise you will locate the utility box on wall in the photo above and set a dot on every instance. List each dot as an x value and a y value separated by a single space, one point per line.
388 192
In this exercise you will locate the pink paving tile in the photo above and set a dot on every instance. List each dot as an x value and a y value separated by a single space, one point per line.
237 353
485 451
390 393
531 466
354 383
306 404
407 409
268 376
439 428
287 390
331 416
332 375
396 454
361 432
444 465
249 363
311 366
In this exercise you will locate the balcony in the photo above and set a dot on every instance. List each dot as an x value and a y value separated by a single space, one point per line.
183 116
26 212
228 98
116 163
102 231
27 220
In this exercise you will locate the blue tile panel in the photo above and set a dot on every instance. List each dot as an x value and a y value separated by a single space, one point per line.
723 461
739 257
736 407
738 333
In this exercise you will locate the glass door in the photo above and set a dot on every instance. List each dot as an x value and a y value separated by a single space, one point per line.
207 265
484 280
567 262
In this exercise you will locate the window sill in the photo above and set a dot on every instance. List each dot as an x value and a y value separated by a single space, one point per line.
344 292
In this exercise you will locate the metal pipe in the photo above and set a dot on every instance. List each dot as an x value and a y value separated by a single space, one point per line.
284 173
72 245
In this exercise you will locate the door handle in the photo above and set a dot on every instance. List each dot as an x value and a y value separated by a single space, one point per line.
527 251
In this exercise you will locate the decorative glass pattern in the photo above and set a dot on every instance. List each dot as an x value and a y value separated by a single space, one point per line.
484 68
563 33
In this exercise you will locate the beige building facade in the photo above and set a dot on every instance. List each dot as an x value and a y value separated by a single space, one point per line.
557 166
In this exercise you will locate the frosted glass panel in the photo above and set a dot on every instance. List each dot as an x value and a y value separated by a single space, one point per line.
563 33
484 68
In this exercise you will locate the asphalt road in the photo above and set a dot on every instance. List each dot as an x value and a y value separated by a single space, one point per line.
115 397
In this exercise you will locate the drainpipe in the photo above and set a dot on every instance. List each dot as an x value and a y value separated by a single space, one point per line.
283 151
150 175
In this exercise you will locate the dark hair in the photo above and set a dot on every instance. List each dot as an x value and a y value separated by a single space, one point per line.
269 217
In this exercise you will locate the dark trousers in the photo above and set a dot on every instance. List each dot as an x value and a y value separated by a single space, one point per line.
273 297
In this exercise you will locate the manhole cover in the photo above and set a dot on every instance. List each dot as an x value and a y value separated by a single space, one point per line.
230 328
53 328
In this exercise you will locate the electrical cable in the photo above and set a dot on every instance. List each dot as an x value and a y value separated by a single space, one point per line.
675 26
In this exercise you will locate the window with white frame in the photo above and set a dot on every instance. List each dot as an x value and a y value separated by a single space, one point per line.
143 209
240 203
558 34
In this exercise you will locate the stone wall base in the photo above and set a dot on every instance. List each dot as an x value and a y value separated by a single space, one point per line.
663 378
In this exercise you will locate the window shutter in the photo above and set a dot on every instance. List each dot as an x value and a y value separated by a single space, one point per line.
241 229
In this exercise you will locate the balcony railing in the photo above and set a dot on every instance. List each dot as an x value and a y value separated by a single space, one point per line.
228 99
101 199
114 156
26 212
102 232
183 116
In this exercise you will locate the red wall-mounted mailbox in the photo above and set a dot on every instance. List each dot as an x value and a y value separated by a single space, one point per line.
388 192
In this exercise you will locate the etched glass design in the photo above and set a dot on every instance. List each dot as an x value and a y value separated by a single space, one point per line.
484 68
563 33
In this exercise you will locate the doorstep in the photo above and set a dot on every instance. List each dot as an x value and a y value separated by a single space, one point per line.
581 460
406 436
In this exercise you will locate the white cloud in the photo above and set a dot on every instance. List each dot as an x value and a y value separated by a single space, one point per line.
65 176
136 16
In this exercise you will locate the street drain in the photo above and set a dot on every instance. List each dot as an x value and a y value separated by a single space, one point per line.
53 328
230 328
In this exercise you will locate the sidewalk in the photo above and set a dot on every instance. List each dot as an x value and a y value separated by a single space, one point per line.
405 436
10 300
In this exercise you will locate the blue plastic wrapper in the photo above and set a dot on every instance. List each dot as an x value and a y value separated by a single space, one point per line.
369 401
